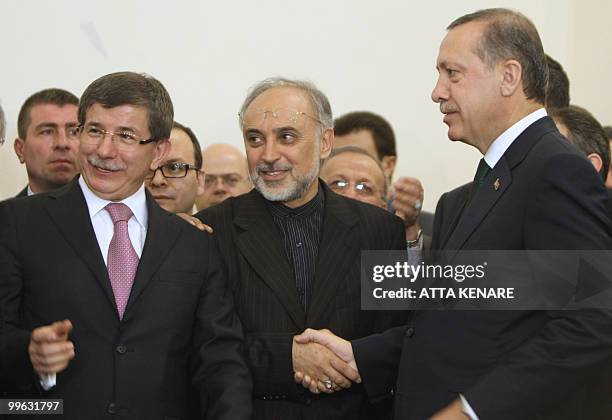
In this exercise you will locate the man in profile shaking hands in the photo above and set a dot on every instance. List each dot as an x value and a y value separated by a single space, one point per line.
532 191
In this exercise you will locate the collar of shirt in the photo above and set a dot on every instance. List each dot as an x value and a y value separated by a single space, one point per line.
137 202
278 209
103 225
503 142
30 192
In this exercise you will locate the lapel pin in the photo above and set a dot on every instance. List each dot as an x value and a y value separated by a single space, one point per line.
496 184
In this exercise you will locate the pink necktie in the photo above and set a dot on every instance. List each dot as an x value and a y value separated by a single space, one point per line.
122 258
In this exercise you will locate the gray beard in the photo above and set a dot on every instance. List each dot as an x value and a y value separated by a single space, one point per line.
297 189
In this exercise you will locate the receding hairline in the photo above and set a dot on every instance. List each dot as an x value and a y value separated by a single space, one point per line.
356 151
304 94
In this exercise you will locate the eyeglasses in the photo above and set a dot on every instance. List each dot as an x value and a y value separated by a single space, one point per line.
229 180
253 117
173 170
361 188
125 140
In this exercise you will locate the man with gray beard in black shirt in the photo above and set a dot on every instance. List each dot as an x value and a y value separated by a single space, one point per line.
293 249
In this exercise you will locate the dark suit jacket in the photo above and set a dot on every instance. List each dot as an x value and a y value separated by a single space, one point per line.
268 305
506 364
23 193
179 306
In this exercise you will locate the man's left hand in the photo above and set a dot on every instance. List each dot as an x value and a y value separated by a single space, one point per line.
195 221
407 200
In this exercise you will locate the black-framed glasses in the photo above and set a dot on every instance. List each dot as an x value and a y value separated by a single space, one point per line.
173 170
93 135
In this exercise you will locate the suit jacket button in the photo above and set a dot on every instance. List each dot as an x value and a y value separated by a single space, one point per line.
112 408
409 332
121 349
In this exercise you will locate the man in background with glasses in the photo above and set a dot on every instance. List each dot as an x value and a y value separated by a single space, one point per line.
107 301
354 173
179 180
226 175
47 142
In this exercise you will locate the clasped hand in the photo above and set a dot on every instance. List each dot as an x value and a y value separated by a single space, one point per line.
323 362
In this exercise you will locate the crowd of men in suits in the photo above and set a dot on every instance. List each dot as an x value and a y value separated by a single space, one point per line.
112 300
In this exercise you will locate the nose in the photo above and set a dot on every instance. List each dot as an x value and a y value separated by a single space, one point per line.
440 92
61 140
218 185
106 149
350 192
158 179
270 153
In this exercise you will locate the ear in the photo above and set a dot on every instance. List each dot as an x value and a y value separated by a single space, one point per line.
18 146
388 164
201 185
596 161
327 141
162 148
512 77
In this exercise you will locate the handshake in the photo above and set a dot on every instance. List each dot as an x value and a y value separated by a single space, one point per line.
323 362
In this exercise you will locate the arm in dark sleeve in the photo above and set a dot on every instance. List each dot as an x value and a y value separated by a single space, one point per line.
222 375
378 357
16 371
567 212
394 239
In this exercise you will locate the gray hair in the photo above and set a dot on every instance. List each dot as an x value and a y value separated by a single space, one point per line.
2 126
317 98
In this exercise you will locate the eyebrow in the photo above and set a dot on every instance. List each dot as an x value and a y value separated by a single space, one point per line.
177 160
121 128
446 64
46 125
274 130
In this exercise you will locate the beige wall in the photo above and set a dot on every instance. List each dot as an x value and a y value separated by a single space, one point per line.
365 57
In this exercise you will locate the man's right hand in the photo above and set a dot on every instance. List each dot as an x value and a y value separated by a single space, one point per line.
319 363
340 347
50 350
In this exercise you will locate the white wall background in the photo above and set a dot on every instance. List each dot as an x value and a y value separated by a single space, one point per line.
364 55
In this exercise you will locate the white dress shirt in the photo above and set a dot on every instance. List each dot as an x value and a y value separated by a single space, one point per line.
493 155
503 142
103 224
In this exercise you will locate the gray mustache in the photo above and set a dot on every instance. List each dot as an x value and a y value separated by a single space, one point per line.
274 167
108 165
446 108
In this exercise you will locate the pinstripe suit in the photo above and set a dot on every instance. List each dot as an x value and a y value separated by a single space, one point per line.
268 305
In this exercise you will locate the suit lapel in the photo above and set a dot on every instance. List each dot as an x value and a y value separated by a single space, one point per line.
497 182
338 253
261 245
456 217
161 237
493 187
68 210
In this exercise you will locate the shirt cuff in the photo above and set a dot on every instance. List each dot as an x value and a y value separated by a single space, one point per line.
48 380
467 410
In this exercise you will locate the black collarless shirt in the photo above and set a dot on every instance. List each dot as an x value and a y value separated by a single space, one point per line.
300 229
